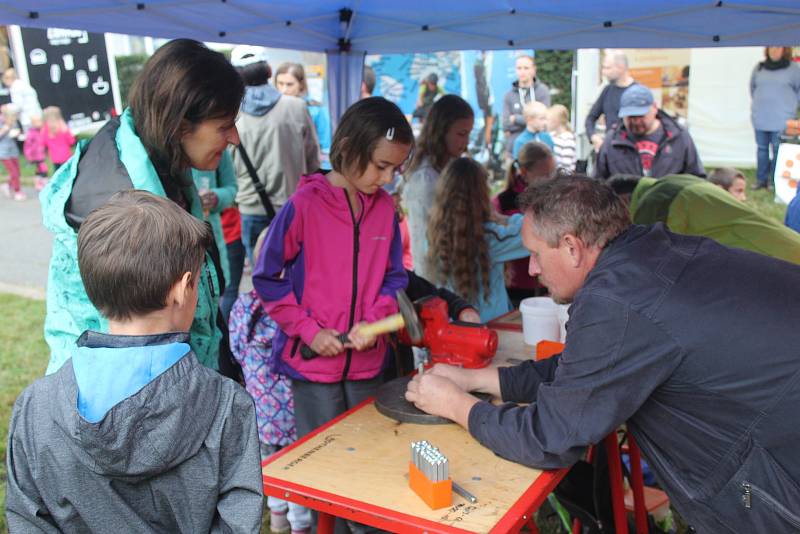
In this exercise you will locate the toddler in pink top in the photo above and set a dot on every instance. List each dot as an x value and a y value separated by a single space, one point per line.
58 139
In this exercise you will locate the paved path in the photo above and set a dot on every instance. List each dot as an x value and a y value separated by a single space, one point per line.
25 247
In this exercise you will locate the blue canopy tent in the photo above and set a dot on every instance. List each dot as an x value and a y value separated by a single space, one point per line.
348 29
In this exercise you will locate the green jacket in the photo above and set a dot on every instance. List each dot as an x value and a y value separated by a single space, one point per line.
114 160
693 206
223 183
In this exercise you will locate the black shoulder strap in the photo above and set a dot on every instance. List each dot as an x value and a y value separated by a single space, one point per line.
262 193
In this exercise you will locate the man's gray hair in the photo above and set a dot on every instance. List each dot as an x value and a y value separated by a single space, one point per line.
577 205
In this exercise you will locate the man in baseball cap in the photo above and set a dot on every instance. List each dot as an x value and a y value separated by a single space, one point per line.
647 141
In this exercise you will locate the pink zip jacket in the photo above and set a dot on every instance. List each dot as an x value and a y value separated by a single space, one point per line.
324 267
59 144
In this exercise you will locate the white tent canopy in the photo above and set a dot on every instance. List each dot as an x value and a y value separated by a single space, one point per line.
347 29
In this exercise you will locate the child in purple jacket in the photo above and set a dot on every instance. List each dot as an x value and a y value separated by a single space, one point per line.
332 261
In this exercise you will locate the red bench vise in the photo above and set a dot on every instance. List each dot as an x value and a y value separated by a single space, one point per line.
469 345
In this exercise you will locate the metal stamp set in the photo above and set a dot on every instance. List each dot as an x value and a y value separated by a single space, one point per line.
429 475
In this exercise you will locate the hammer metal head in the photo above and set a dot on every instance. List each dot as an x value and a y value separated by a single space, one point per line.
410 317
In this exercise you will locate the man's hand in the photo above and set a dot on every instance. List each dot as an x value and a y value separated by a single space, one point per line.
437 395
358 340
469 315
326 343
457 375
597 142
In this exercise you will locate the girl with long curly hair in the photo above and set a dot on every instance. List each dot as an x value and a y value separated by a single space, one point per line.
469 241
444 137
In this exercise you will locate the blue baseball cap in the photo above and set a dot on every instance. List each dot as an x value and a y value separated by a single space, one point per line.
635 101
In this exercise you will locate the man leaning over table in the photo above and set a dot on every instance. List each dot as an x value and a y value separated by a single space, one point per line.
691 343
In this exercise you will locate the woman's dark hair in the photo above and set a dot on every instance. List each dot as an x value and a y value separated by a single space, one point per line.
360 129
786 55
181 85
255 73
441 117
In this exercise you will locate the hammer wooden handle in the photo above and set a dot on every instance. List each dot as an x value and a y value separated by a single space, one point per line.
392 323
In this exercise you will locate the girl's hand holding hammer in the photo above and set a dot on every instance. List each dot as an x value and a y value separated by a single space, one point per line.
326 343
359 340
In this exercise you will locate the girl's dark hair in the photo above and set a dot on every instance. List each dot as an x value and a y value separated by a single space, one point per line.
181 85
458 252
360 129
530 155
255 74
441 117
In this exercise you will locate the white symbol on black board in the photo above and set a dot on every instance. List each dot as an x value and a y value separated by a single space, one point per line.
69 61
38 56
84 38
55 73
82 79
100 87
93 66
96 115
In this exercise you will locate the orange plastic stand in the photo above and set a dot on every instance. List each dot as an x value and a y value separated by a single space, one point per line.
548 349
435 494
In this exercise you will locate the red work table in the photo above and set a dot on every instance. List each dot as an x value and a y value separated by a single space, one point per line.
356 467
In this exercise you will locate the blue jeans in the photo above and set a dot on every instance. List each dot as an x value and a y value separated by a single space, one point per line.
252 226
766 161
235 266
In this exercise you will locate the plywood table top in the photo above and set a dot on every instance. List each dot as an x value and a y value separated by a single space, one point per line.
356 466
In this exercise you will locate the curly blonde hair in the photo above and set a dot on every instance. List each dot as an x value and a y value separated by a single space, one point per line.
457 249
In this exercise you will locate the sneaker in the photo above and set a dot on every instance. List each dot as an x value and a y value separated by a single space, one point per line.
20 196
40 183
5 190
279 523
759 185
304 531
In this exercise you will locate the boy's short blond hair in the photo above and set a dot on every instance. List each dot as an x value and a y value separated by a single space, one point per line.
534 109
134 248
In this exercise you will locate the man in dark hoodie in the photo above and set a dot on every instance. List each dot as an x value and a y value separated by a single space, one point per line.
132 433
646 141
279 137
526 89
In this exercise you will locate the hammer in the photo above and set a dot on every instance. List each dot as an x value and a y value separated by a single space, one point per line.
407 318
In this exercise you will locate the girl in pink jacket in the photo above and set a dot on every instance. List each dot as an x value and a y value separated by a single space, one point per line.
58 139
333 261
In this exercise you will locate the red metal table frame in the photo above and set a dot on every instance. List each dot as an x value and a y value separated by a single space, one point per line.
331 505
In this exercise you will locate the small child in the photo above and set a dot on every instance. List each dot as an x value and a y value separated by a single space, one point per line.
133 434
535 114
731 181
470 241
9 151
564 142
58 138
251 334
35 150
332 260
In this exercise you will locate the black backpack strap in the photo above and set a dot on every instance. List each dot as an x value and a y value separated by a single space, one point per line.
262 192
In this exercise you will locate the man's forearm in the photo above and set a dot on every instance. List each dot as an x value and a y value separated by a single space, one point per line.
460 408
486 380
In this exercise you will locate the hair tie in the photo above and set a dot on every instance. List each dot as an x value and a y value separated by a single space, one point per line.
390 134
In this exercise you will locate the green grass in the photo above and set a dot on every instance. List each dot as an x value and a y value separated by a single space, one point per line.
23 358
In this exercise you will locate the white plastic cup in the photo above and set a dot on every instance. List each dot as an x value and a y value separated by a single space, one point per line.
563 317
540 320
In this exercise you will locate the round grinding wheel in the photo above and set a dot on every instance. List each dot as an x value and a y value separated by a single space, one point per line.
391 402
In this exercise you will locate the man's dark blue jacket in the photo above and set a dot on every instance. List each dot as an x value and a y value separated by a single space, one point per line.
697 347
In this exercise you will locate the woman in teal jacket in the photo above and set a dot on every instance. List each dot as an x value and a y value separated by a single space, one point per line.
182 110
